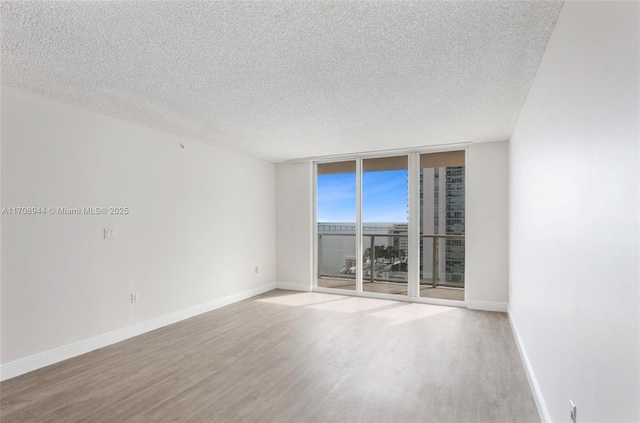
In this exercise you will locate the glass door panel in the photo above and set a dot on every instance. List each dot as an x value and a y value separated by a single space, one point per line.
385 225
336 202
442 225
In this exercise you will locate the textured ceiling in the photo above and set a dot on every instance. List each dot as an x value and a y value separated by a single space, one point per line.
285 80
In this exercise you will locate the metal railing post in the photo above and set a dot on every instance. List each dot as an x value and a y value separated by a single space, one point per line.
435 262
319 254
372 256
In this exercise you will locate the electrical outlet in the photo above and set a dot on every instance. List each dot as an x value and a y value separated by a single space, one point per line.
573 412
256 269
134 298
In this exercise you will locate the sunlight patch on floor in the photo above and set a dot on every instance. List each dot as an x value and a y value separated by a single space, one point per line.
401 313
410 312
353 305
302 299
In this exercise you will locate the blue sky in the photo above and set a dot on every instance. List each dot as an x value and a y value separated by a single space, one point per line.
384 197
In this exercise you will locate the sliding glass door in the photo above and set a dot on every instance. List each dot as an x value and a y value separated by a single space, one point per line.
393 225
385 219
336 215
442 225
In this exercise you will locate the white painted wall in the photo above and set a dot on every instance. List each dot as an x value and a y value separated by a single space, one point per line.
487 226
574 217
294 225
200 220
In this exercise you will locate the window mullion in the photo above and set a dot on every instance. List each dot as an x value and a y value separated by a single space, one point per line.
359 251
413 259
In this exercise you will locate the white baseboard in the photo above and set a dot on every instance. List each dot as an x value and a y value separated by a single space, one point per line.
531 376
487 306
290 286
37 361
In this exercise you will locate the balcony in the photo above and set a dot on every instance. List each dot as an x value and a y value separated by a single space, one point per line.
384 267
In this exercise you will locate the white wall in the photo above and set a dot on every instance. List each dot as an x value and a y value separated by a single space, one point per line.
294 225
574 217
200 220
487 226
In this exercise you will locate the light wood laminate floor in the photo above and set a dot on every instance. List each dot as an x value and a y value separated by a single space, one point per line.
292 357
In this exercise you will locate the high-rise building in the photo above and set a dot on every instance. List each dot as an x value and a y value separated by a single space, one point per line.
442 199
454 224
400 243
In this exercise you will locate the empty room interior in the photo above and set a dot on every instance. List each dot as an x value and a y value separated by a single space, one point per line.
320 211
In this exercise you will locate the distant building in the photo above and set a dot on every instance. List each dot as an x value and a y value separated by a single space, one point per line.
445 215
400 243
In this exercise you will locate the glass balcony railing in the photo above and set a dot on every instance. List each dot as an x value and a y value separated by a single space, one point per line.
337 260
384 261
